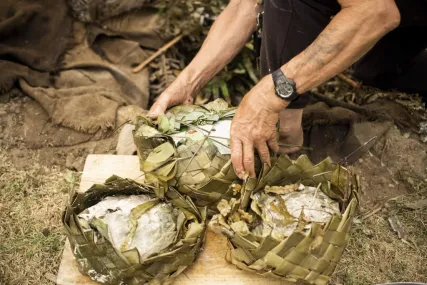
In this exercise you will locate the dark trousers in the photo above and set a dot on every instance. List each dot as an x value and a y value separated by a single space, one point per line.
398 60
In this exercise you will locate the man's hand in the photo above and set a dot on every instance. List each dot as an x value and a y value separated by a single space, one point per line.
255 127
174 95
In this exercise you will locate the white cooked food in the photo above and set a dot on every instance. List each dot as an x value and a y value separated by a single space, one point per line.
219 133
156 229
280 213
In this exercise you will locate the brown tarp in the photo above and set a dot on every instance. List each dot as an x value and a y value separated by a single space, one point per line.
79 83
34 34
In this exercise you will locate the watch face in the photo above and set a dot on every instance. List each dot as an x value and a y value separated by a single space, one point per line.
285 90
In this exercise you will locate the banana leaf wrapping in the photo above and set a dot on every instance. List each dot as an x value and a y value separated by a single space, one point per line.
305 255
92 243
189 148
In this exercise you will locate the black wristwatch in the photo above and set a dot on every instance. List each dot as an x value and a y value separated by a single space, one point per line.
286 90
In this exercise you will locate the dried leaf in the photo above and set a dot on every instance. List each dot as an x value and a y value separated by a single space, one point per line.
240 227
219 226
236 188
158 157
224 207
217 106
397 226
163 123
245 216
421 204
282 189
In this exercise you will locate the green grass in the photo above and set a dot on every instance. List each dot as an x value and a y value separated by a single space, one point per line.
31 235
375 254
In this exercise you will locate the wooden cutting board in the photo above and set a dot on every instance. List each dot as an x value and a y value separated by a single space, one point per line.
210 268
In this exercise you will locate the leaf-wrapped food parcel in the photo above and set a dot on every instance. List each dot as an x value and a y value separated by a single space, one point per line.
293 222
189 148
122 233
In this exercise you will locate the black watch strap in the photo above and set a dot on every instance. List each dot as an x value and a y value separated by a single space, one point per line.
301 102
277 75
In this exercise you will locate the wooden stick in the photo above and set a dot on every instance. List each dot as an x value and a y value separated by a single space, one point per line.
336 103
349 81
162 50
371 213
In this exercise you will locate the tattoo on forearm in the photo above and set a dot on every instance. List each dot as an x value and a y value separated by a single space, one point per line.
322 50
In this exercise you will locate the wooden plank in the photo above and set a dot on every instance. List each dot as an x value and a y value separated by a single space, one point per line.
99 168
211 268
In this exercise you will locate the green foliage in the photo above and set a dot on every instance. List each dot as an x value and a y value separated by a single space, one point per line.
194 20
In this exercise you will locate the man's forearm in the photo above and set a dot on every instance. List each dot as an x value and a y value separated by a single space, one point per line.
226 38
350 35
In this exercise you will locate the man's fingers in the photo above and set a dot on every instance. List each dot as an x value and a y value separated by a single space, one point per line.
237 157
158 108
248 158
274 145
263 152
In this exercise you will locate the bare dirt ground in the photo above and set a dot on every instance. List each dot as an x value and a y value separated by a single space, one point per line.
394 188
40 164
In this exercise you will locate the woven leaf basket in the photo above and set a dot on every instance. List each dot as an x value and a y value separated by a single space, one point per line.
189 148
311 251
92 243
